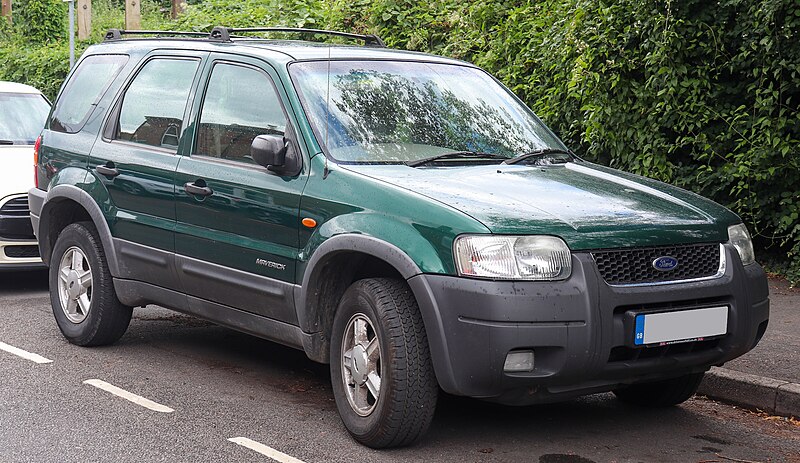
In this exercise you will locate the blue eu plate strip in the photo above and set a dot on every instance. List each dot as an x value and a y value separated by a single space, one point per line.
639 336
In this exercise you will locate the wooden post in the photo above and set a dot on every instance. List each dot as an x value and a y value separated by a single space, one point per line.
84 19
6 9
133 15
177 8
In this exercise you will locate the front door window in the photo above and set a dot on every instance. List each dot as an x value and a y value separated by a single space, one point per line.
240 104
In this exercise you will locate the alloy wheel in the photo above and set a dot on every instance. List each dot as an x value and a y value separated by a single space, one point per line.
75 285
361 364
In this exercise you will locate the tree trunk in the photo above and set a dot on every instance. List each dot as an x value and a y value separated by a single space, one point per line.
177 8
6 10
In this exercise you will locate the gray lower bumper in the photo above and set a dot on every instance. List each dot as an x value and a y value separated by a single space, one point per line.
22 267
577 330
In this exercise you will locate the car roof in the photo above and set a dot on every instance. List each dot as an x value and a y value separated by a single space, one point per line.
13 87
279 51
303 50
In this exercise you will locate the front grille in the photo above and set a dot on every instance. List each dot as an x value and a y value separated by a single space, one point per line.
16 207
21 252
635 265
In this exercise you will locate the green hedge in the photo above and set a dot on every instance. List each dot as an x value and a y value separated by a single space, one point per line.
701 94
42 65
251 13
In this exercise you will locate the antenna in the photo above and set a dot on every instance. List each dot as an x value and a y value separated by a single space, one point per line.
327 112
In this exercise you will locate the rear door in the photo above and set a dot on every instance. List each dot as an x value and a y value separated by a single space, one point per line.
136 160
73 126
237 243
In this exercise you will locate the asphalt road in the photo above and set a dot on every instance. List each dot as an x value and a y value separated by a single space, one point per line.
221 385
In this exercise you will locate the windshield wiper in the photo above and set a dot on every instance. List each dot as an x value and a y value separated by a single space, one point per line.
6 142
454 155
544 157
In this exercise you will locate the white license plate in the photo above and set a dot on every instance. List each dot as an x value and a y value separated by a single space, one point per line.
684 325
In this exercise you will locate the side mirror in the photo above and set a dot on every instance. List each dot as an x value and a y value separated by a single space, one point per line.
269 151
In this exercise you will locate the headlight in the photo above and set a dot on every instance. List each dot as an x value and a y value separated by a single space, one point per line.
740 239
513 257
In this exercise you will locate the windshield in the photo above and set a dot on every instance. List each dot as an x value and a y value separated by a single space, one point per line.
392 112
22 117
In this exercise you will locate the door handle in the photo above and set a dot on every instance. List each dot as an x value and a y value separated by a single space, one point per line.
108 169
198 190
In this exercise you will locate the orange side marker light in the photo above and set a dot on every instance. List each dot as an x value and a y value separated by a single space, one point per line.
310 223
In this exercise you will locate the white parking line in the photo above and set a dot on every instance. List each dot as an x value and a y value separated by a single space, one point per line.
24 354
137 399
264 450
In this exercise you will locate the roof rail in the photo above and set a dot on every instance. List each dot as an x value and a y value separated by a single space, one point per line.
224 34
116 34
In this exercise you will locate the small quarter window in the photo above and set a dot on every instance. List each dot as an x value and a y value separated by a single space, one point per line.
240 103
153 106
84 90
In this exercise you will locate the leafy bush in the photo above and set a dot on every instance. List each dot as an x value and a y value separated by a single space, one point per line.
41 21
251 13
42 65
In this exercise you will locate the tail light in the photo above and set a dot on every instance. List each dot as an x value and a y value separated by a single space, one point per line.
36 147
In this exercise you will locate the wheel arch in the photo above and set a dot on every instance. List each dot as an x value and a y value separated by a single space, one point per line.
66 204
335 265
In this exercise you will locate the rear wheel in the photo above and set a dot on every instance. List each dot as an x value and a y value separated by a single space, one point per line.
82 294
661 393
381 370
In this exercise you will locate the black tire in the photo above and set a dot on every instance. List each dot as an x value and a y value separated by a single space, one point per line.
408 389
106 319
661 393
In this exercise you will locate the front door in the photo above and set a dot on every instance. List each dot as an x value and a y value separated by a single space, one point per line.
237 222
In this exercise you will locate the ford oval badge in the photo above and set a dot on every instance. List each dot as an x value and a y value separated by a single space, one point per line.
665 263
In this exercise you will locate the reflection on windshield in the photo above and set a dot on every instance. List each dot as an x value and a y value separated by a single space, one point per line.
400 111
22 117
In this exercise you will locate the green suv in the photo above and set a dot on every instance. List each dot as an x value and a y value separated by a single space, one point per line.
400 216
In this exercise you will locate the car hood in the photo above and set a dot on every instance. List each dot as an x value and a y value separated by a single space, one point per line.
589 206
16 169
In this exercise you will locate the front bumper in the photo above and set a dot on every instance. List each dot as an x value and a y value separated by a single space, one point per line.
19 255
577 330
18 247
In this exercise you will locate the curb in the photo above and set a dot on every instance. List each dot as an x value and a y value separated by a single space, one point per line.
773 396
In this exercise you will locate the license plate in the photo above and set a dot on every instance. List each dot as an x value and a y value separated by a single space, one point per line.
681 326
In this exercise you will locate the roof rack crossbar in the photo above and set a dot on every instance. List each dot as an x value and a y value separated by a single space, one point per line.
116 34
223 34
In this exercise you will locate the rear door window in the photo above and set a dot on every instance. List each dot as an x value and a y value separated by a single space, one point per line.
84 90
154 104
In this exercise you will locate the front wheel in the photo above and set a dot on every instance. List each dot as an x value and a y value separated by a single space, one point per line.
82 294
661 393
381 370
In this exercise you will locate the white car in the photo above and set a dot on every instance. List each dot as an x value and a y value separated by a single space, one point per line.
23 111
